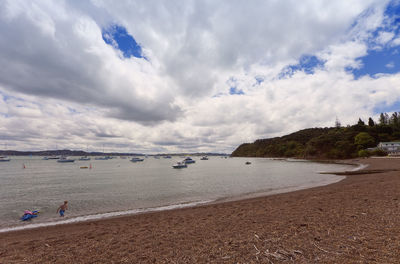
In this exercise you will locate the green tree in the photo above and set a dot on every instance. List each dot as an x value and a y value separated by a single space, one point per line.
394 119
383 119
364 140
360 122
371 122
337 123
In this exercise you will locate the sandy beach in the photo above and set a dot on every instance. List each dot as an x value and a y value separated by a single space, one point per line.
353 221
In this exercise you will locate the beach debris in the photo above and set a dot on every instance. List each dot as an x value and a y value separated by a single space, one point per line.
258 251
282 254
326 251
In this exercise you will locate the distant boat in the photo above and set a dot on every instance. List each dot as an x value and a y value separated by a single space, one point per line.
4 158
204 158
135 159
53 157
179 165
189 160
84 167
167 157
248 163
45 158
65 159
84 158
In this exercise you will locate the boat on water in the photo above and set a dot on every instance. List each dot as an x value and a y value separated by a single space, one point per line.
189 160
179 165
204 158
53 157
65 159
167 157
84 158
248 163
135 159
4 158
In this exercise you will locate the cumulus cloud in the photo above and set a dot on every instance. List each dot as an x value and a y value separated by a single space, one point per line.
64 85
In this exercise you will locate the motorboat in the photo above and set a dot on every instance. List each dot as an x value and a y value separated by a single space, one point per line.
167 157
179 165
53 157
84 158
189 160
4 158
248 163
136 159
204 158
65 159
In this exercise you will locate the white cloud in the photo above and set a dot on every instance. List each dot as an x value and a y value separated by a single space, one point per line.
69 88
390 65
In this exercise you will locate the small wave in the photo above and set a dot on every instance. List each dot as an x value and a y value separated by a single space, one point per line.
105 215
360 167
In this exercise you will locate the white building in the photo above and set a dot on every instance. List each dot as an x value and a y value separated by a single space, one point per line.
390 147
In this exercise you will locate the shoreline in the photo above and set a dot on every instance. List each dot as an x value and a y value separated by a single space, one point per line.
189 204
349 221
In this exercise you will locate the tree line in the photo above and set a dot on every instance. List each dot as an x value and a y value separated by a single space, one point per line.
336 142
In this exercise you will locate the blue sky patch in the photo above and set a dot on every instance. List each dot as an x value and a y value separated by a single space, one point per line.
385 61
307 64
259 80
387 108
235 90
119 38
383 57
232 82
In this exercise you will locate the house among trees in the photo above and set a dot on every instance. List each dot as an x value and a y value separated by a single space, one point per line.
390 147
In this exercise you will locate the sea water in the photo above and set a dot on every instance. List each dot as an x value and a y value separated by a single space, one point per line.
117 186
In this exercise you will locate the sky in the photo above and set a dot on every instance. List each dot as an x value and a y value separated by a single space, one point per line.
190 75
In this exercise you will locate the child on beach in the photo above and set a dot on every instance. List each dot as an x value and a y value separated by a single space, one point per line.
62 208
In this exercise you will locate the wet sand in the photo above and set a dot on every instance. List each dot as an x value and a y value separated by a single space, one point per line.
356 220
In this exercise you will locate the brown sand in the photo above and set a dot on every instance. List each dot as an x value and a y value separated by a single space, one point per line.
354 221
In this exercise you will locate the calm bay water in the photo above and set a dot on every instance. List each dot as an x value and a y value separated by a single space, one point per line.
118 185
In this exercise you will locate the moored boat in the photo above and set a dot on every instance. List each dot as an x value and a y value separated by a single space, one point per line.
179 165
204 158
135 159
189 160
4 158
65 159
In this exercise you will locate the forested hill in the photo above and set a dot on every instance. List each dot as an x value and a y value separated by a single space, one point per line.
330 143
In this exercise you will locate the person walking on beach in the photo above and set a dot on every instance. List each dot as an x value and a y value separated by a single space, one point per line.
62 208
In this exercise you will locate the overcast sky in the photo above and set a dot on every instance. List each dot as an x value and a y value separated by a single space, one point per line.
180 76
